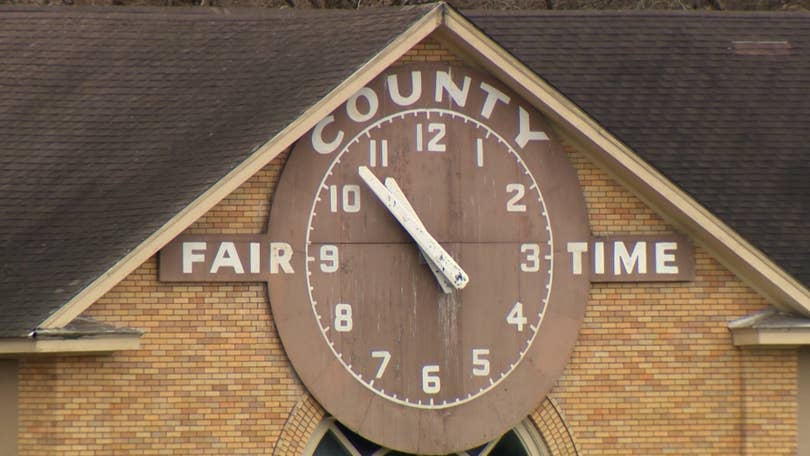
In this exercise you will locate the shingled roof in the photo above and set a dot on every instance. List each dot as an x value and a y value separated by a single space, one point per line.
113 120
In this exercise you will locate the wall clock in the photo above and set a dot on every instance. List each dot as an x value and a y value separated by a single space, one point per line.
432 304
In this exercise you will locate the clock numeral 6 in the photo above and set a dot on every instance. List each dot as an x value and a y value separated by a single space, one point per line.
343 317
431 383
349 197
513 204
329 258
531 263
384 356
515 316
480 363
435 143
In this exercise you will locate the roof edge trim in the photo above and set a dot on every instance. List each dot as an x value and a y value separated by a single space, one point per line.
69 346
734 252
420 29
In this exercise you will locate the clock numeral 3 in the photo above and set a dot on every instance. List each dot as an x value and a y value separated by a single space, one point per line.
515 316
431 383
343 317
329 258
513 204
531 262
435 144
348 198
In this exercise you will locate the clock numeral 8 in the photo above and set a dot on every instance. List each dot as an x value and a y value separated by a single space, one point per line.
431 383
349 198
343 317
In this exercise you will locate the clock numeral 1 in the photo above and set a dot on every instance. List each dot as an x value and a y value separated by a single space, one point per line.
479 152
435 144
515 316
480 362
513 204
349 197
372 153
531 262
431 383
384 356
343 317
329 258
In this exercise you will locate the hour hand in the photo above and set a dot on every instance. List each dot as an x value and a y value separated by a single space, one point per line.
398 207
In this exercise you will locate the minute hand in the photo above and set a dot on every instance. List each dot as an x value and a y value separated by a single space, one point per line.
430 247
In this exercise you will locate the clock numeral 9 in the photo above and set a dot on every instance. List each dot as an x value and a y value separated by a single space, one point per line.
435 143
531 262
329 258
343 317
431 383
515 316
384 356
480 363
513 204
349 198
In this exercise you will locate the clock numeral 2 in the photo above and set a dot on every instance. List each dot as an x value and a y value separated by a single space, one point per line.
373 152
435 143
349 197
343 317
431 383
513 204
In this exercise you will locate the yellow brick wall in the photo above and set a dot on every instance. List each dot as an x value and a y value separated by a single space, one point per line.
653 372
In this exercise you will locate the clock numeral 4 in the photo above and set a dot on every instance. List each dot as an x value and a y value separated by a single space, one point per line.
435 143
431 383
531 262
385 357
329 258
343 317
513 204
515 316
480 362
373 153
346 198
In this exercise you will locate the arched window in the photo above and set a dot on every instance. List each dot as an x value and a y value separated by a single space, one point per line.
333 439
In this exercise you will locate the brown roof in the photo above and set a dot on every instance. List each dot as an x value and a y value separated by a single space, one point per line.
113 120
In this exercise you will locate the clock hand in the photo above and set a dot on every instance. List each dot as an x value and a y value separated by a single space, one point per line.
393 187
430 247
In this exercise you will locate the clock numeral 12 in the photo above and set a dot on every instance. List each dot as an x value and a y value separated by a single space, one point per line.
349 198
343 317
372 153
431 383
435 143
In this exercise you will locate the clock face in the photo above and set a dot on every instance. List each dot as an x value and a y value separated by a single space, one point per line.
432 304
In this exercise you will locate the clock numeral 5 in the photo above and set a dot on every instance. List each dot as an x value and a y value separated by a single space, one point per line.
343 317
431 383
513 204
480 363
384 356
329 258
515 316
349 197
435 144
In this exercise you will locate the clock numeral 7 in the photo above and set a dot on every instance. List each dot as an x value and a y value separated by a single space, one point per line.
431 383
385 357
348 196
435 144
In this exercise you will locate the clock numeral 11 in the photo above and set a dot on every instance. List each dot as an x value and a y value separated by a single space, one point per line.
373 152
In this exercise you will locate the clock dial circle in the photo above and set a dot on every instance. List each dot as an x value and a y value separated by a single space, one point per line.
433 303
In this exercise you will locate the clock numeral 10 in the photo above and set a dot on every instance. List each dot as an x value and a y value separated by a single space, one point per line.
435 144
348 196
372 153
431 383
515 316
343 317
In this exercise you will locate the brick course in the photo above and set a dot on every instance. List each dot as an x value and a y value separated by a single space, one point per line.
653 372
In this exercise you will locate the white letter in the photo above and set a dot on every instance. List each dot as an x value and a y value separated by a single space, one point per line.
317 137
416 89
280 255
493 95
190 255
576 249
622 257
665 261
445 83
227 257
599 257
255 257
351 105
525 134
